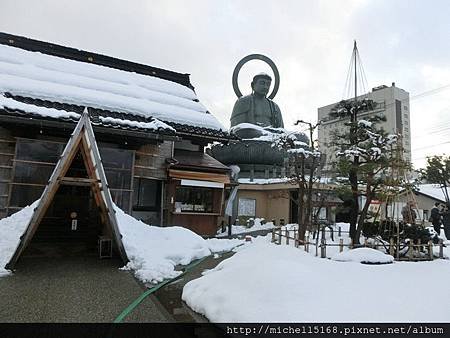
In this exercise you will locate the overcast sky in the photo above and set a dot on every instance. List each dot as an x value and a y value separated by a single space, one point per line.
402 41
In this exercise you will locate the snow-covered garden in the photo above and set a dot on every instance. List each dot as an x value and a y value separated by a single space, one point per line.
265 282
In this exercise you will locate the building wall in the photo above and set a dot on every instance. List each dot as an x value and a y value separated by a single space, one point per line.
7 149
150 160
271 204
393 103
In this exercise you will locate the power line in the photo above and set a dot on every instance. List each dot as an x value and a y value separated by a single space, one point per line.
431 146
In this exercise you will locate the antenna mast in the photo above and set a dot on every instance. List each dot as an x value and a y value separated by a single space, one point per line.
355 52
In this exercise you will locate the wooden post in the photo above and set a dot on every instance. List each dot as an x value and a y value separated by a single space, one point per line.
441 248
279 236
391 247
307 243
430 249
339 231
410 249
287 236
341 245
323 248
350 246
273 235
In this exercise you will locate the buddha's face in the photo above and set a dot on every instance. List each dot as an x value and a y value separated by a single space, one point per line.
261 86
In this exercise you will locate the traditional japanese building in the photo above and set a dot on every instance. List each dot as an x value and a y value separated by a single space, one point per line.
149 125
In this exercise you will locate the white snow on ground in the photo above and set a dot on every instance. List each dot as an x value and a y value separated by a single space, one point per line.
241 229
11 229
363 255
264 282
154 252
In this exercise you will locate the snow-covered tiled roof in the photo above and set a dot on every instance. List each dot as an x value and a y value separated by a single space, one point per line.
41 76
432 190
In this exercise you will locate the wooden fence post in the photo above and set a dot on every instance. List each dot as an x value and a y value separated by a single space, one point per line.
339 231
323 248
287 236
441 248
341 245
273 235
279 236
410 249
430 249
391 247
306 243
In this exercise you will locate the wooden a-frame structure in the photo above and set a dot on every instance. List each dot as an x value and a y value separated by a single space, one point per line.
82 140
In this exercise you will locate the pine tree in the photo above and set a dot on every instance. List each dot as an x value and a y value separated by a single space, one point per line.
365 157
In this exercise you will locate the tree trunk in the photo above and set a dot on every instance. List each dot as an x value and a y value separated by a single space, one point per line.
362 216
308 217
353 177
301 216
354 210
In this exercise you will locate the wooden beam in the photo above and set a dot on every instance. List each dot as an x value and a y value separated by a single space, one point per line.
78 181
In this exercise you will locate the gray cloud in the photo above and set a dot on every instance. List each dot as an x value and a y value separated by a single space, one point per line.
405 41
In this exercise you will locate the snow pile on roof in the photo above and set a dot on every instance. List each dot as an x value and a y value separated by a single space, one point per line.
259 224
11 229
153 125
6 102
433 190
47 77
154 252
264 282
363 255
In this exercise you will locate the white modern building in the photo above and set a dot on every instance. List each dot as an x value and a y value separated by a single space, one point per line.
392 102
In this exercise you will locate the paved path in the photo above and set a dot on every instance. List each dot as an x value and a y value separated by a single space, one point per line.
170 295
74 289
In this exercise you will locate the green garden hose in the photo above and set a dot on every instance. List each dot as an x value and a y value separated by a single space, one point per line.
139 300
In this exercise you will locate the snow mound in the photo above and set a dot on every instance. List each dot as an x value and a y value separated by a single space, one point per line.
363 255
11 229
154 252
264 282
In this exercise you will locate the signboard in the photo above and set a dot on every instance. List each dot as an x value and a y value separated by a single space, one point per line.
247 207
